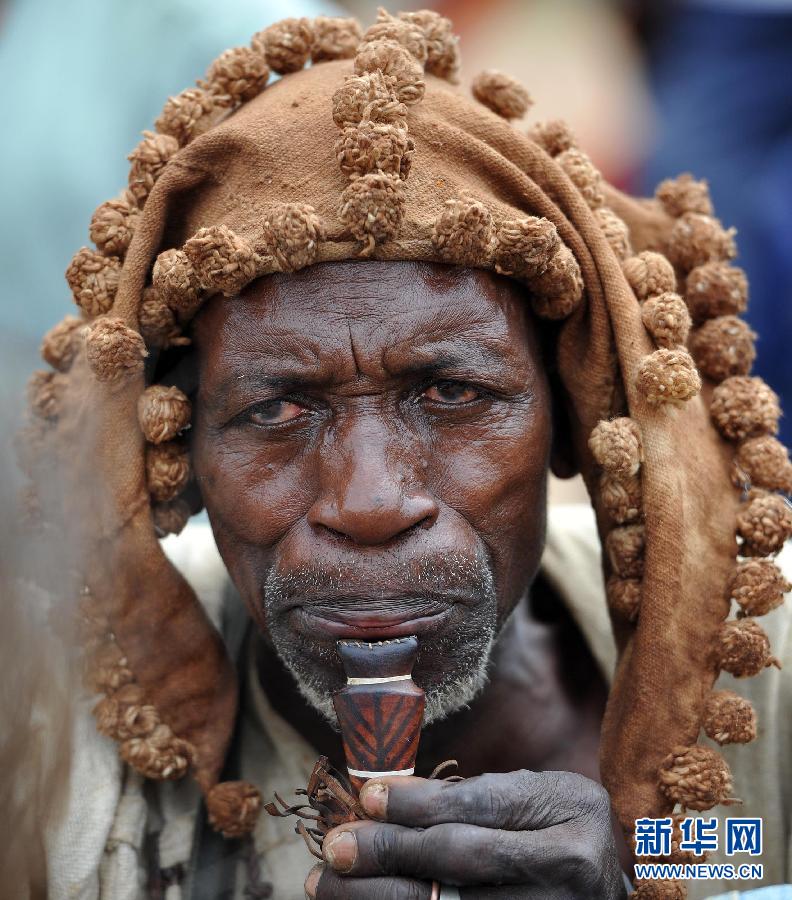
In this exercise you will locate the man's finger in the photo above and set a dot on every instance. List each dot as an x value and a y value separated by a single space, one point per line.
327 885
524 892
455 854
513 801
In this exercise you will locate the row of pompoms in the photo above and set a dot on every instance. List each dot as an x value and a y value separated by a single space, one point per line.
392 55
163 415
763 525
146 743
697 252
241 73
745 411
374 150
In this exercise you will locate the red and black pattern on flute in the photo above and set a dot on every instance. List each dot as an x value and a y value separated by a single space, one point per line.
380 710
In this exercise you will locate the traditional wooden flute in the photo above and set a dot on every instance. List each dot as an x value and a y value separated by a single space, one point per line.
380 710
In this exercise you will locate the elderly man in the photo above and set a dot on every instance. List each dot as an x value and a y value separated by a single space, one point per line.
386 314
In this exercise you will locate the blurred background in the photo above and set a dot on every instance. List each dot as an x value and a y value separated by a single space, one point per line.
650 88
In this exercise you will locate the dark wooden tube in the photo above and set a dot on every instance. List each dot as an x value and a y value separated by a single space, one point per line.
380 710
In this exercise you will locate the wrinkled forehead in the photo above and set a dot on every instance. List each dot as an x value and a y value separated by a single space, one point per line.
386 310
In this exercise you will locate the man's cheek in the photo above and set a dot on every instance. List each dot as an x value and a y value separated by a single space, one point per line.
496 484
257 499
500 488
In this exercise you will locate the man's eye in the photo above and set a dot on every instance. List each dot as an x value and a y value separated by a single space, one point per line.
275 412
452 393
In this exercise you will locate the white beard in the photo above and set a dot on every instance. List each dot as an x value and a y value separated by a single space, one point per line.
469 644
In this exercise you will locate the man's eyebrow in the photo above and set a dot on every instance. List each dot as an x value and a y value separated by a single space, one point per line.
431 358
258 380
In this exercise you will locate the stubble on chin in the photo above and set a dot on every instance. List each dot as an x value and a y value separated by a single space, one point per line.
452 666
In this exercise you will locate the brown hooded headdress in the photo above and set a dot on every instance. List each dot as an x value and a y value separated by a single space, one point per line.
372 152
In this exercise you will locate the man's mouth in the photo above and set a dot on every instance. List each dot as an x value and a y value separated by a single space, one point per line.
382 619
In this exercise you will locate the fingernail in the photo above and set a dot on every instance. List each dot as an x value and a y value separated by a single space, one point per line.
341 851
374 798
312 881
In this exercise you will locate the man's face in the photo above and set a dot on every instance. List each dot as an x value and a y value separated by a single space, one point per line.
371 441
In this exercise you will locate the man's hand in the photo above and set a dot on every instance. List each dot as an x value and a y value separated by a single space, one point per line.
522 835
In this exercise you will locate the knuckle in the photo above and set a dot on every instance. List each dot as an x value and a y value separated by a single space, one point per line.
546 797
510 813
553 782
452 800
522 798
463 801
586 797
555 792
584 856
436 847
384 849
504 858
492 799
595 803
499 806
599 796
525 780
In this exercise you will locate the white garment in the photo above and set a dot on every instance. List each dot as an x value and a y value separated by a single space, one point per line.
78 842
96 851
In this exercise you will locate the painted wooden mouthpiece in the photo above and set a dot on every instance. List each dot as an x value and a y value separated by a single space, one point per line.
380 710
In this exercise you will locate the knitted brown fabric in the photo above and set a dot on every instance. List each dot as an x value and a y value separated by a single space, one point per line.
434 176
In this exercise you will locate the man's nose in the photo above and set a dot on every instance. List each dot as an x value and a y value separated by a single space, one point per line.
365 494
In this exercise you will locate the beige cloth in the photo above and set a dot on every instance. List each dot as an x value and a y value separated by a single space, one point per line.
84 864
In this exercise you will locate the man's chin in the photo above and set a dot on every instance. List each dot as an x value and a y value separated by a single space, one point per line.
447 699
448 601
452 672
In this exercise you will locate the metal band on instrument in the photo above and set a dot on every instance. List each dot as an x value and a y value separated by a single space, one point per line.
357 773
385 680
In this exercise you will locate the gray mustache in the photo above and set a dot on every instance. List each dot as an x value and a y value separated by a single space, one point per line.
330 603
413 583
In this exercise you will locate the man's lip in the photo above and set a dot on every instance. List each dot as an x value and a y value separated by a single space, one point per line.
367 625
